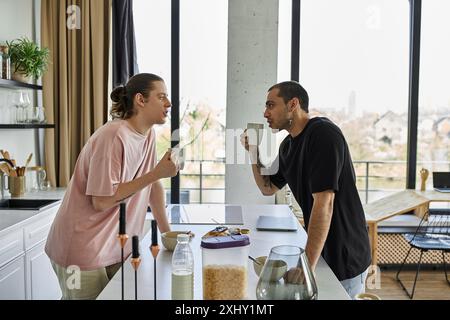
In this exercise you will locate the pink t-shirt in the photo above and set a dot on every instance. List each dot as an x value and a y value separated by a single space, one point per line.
87 238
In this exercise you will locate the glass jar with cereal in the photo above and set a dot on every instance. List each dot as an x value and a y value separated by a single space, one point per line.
224 263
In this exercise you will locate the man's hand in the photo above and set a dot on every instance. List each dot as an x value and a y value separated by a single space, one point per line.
252 149
294 276
263 182
166 168
244 140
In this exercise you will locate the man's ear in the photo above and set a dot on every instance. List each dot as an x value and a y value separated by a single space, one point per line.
294 103
139 99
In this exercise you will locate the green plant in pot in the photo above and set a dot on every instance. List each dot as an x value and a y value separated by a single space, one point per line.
28 59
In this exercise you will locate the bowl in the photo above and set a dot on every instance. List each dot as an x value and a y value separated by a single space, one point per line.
169 239
275 269
258 267
367 296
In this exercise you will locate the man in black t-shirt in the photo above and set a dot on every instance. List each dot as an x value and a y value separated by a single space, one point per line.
314 160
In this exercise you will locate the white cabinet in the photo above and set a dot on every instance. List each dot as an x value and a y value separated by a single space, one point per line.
11 246
41 280
38 231
12 280
25 269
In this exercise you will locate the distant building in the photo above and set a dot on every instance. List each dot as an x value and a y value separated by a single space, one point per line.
442 128
391 129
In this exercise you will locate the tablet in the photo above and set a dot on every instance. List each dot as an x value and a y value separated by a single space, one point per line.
271 223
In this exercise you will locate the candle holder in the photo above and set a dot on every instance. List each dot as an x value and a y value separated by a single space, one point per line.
122 237
154 248
135 262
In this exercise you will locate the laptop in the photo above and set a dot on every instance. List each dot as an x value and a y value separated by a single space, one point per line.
271 223
441 181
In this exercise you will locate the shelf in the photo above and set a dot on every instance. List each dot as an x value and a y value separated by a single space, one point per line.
12 84
27 126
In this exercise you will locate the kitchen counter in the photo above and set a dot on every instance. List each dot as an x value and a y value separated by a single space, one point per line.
329 288
10 219
25 269
54 193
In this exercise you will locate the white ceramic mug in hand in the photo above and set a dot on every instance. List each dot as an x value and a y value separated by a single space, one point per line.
177 156
254 133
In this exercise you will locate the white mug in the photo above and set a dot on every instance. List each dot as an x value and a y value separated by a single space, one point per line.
254 133
177 156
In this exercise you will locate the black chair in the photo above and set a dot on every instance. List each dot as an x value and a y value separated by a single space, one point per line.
433 233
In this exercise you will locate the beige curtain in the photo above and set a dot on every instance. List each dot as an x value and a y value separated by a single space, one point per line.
75 94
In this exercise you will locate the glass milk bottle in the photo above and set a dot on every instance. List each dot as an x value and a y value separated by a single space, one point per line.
183 270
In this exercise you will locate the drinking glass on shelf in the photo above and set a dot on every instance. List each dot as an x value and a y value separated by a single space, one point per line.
10 110
33 115
10 114
17 101
25 106
41 115
21 100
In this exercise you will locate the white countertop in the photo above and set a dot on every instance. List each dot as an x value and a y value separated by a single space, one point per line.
15 218
329 288
54 193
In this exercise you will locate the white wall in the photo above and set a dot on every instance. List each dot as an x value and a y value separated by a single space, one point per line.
16 21
252 69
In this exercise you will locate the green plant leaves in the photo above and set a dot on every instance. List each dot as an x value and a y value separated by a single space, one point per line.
27 57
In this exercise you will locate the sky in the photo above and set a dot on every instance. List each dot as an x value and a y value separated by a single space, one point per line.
351 50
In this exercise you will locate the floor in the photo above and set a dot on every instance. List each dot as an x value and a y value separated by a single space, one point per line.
431 285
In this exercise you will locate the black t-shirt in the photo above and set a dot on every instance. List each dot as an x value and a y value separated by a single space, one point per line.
316 160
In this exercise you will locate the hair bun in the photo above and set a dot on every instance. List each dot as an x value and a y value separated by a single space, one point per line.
119 94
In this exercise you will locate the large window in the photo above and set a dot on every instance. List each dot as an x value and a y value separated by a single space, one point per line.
153 32
354 64
203 80
153 29
203 72
433 151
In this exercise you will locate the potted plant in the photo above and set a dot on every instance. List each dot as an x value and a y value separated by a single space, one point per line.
27 59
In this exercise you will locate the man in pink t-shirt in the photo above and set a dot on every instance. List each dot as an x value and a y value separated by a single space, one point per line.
117 164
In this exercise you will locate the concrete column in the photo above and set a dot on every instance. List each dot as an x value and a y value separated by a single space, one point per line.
252 69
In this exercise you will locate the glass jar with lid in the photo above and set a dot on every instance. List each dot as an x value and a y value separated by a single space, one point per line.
224 264
5 63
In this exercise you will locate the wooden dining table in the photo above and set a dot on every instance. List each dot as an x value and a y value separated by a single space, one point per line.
396 204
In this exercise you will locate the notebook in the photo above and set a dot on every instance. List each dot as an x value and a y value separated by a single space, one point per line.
270 223
441 181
